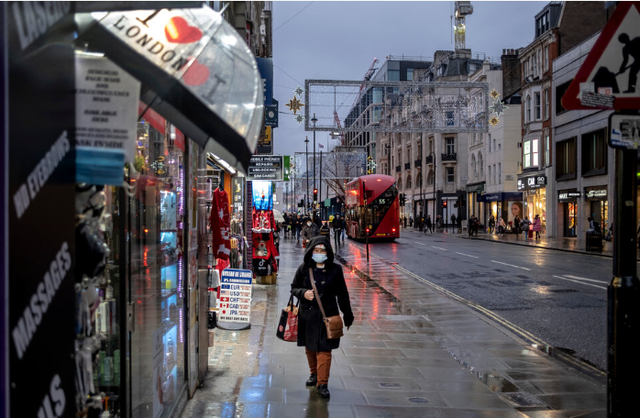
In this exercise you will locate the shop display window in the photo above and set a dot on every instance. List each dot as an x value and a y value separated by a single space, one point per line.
570 211
157 287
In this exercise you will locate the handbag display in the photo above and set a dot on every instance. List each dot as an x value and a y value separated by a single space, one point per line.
288 325
333 323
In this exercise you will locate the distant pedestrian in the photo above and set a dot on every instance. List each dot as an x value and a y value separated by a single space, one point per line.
429 224
453 222
537 226
411 221
310 230
492 224
333 293
501 226
516 226
526 223
405 222
420 223
460 225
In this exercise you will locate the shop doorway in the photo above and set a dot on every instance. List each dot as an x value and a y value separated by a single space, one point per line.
570 211
600 213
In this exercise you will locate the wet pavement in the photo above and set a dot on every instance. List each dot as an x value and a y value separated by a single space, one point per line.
413 351
577 244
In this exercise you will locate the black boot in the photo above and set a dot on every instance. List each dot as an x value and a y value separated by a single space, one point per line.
323 391
312 380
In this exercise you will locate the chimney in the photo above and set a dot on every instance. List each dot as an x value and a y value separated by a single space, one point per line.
510 72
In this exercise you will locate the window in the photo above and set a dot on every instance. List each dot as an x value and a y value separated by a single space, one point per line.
547 111
594 153
450 175
419 179
399 183
474 168
408 181
489 141
535 64
499 146
480 167
450 145
495 172
546 58
566 160
489 179
528 109
494 145
449 118
534 153
538 105
547 149
560 91
430 178
499 173
409 74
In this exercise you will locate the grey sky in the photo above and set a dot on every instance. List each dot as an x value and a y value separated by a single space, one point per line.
339 40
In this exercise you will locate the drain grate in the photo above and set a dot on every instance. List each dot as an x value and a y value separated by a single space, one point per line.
389 385
522 400
418 400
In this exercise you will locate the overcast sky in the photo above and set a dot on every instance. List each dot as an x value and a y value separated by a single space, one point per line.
339 40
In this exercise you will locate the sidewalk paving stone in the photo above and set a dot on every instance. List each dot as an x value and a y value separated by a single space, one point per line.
412 352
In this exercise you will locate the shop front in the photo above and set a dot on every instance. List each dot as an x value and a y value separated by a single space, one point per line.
535 198
118 206
568 200
596 197
505 205
476 207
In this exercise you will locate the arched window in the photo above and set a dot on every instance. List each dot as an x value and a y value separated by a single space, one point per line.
479 165
528 108
474 169
408 181
399 183
430 178
419 179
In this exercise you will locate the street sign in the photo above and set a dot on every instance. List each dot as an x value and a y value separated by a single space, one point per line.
235 296
624 131
607 78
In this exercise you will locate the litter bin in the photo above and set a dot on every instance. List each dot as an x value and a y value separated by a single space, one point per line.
594 240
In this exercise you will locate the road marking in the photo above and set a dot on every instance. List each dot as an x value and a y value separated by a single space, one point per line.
510 265
439 248
580 282
584 278
419 243
467 255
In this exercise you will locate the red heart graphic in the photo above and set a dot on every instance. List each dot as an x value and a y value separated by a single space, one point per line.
196 74
178 31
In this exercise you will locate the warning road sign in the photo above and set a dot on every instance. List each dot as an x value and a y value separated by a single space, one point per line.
608 77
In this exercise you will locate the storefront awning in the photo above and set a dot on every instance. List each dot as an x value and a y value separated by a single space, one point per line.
196 71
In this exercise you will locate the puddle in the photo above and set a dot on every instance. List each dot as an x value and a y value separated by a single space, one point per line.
389 385
418 400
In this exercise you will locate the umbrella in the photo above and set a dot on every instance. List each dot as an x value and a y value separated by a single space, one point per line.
196 71
278 216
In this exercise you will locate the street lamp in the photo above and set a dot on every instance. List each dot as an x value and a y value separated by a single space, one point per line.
388 147
314 120
306 164
435 197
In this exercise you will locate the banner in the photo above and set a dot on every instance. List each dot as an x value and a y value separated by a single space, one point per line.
262 195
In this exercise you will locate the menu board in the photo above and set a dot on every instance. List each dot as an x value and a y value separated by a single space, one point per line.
235 296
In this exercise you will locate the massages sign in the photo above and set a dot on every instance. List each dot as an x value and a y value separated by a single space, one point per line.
38 169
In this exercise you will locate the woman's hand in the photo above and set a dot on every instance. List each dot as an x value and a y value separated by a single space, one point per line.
308 295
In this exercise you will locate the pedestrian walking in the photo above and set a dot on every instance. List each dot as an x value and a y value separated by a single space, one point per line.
526 223
429 225
298 224
492 224
332 289
337 228
324 229
405 222
501 226
537 226
453 222
411 221
420 223
517 222
310 230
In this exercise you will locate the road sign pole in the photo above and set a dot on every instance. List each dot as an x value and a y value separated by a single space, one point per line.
364 218
623 292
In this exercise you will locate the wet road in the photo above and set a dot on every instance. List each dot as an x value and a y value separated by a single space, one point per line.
558 297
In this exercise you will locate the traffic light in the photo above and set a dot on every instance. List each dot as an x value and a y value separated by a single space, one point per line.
402 199
315 195
444 203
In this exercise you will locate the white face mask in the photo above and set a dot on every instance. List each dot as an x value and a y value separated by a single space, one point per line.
319 258
308 223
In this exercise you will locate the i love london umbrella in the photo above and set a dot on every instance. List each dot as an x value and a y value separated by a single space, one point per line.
196 71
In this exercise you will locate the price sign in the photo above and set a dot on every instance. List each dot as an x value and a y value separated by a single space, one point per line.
235 296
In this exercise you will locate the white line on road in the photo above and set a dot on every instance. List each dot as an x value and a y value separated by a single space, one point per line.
580 282
584 278
419 243
467 255
439 248
510 265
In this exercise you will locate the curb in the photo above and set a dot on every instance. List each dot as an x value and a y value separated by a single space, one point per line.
576 363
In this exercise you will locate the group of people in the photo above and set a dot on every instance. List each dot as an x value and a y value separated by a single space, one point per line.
312 226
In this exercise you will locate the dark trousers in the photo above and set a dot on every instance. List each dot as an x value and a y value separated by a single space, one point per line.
319 364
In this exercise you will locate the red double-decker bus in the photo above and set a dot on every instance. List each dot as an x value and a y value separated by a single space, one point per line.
380 217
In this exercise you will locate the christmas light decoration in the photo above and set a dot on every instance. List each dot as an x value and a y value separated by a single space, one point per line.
294 105
298 91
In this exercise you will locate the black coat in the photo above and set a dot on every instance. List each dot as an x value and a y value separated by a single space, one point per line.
332 287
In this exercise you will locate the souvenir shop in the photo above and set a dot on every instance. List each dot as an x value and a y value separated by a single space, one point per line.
129 241
265 237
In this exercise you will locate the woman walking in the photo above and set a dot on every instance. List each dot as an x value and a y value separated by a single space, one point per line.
525 227
312 334
537 226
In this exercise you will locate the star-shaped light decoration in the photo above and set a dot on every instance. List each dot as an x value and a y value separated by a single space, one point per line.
498 107
298 91
294 105
299 118
494 120
494 94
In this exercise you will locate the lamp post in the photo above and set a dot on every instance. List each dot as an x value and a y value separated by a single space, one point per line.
314 120
306 164
435 197
422 200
